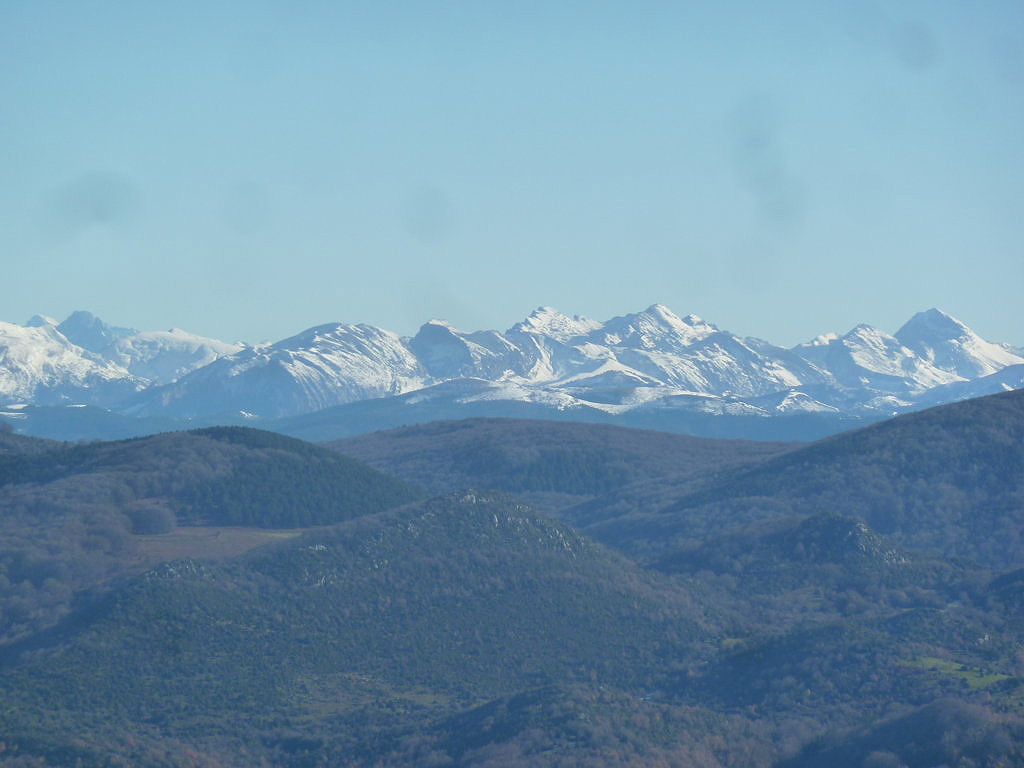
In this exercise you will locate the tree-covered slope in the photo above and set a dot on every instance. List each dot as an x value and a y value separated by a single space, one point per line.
343 635
766 616
12 443
69 514
223 475
947 732
537 457
948 481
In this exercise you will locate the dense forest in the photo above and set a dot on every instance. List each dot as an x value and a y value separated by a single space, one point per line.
948 481
551 464
709 603
71 512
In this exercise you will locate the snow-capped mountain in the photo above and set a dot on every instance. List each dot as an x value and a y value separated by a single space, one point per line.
651 361
39 365
158 357
85 360
320 367
951 346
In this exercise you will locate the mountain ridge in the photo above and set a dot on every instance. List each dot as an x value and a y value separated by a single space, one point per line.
652 361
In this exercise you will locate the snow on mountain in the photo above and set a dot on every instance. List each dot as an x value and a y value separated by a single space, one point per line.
40 321
164 356
657 327
1009 378
159 357
654 347
89 332
39 365
951 346
547 321
646 361
447 353
867 358
320 367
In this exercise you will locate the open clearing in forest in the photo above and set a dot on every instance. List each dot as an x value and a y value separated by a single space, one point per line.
207 542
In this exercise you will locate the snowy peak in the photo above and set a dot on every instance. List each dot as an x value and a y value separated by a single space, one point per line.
932 324
39 365
141 357
655 326
89 332
447 353
547 321
645 360
164 356
868 358
442 350
40 321
950 345
318 368
334 342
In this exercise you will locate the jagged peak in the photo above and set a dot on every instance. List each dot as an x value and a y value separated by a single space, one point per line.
331 331
865 331
83 320
40 321
658 321
548 321
822 340
665 316
439 322
82 316
933 324
90 332
436 328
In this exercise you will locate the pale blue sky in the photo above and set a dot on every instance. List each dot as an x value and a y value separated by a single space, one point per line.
248 169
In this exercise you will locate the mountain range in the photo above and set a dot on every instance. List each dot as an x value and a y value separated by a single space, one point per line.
649 368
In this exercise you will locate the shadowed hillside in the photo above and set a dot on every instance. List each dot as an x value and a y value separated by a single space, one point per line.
347 633
948 481
71 513
552 463
780 598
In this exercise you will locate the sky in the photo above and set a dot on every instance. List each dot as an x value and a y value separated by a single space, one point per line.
245 170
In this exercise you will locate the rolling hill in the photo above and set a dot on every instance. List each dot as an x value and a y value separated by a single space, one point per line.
72 514
843 602
551 463
949 481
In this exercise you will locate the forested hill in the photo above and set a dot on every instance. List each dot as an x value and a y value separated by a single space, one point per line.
12 443
529 456
469 630
336 642
218 475
949 480
69 513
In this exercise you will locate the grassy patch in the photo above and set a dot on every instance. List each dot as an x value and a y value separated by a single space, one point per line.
975 677
207 541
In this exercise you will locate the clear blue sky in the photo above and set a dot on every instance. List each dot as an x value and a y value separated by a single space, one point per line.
248 169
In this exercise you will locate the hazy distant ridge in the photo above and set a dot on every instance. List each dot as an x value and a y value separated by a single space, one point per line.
645 361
